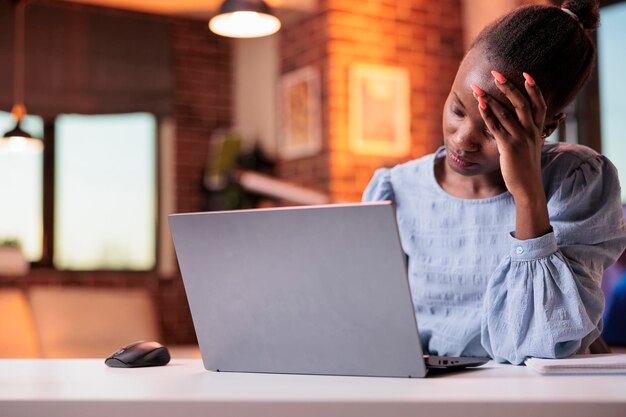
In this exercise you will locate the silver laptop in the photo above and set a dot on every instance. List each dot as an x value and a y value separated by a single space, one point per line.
302 290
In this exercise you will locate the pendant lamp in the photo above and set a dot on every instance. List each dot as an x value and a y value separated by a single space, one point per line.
17 138
244 19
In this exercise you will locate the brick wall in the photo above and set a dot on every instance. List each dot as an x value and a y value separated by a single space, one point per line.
423 36
202 104
303 43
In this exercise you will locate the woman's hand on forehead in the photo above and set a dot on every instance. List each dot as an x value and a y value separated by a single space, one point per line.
517 128
518 135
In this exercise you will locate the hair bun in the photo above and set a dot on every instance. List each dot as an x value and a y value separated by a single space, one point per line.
588 12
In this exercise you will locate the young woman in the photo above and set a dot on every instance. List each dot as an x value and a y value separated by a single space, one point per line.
507 237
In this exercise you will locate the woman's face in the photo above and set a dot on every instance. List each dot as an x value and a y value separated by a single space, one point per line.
470 148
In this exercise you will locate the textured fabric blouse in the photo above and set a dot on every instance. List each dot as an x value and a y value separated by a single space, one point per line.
477 290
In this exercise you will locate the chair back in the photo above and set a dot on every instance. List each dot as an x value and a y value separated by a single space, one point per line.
91 322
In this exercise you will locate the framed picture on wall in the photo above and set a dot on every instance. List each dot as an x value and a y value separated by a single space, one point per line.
300 121
379 119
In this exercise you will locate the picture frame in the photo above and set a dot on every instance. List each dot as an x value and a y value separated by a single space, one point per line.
379 110
300 121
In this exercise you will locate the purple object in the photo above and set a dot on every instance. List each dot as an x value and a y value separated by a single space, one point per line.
613 274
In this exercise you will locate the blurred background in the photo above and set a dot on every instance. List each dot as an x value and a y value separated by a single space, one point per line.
141 111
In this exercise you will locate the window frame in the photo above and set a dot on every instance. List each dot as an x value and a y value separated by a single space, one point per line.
587 104
48 187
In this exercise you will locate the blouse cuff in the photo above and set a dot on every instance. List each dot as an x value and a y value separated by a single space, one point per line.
527 250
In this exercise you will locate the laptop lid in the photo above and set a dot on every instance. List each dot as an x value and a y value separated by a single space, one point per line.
310 290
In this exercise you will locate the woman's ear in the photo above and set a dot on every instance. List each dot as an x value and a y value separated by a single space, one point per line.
551 125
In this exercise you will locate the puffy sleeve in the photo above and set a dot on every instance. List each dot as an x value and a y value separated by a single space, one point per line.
544 300
379 187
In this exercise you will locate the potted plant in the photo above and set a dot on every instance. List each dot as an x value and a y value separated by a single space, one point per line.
12 259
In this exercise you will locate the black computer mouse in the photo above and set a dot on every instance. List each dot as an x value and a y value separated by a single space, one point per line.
139 354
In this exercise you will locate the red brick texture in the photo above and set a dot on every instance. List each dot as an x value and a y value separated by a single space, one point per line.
422 36
202 104
304 43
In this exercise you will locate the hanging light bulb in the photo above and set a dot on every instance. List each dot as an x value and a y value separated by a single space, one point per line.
17 139
244 19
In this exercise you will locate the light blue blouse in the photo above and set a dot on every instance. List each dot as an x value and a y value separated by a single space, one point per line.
477 290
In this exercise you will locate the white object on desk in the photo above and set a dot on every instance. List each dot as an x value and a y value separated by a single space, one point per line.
610 363
86 387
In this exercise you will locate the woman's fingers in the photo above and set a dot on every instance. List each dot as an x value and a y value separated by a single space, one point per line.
500 121
537 100
494 127
528 114
523 108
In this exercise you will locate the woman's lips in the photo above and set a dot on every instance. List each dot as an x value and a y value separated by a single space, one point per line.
459 161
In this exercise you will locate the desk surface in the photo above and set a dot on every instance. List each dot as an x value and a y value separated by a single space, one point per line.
56 387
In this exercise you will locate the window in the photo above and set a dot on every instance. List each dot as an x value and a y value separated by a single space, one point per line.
554 137
611 64
103 193
21 190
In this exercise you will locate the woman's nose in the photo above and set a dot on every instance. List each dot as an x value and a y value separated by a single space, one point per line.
466 140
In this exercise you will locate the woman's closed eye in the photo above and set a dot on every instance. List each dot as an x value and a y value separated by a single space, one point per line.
457 112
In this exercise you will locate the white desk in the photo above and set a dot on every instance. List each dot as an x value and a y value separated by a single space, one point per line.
86 387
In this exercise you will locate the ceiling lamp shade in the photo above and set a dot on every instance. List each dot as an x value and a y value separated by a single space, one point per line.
244 19
17 139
